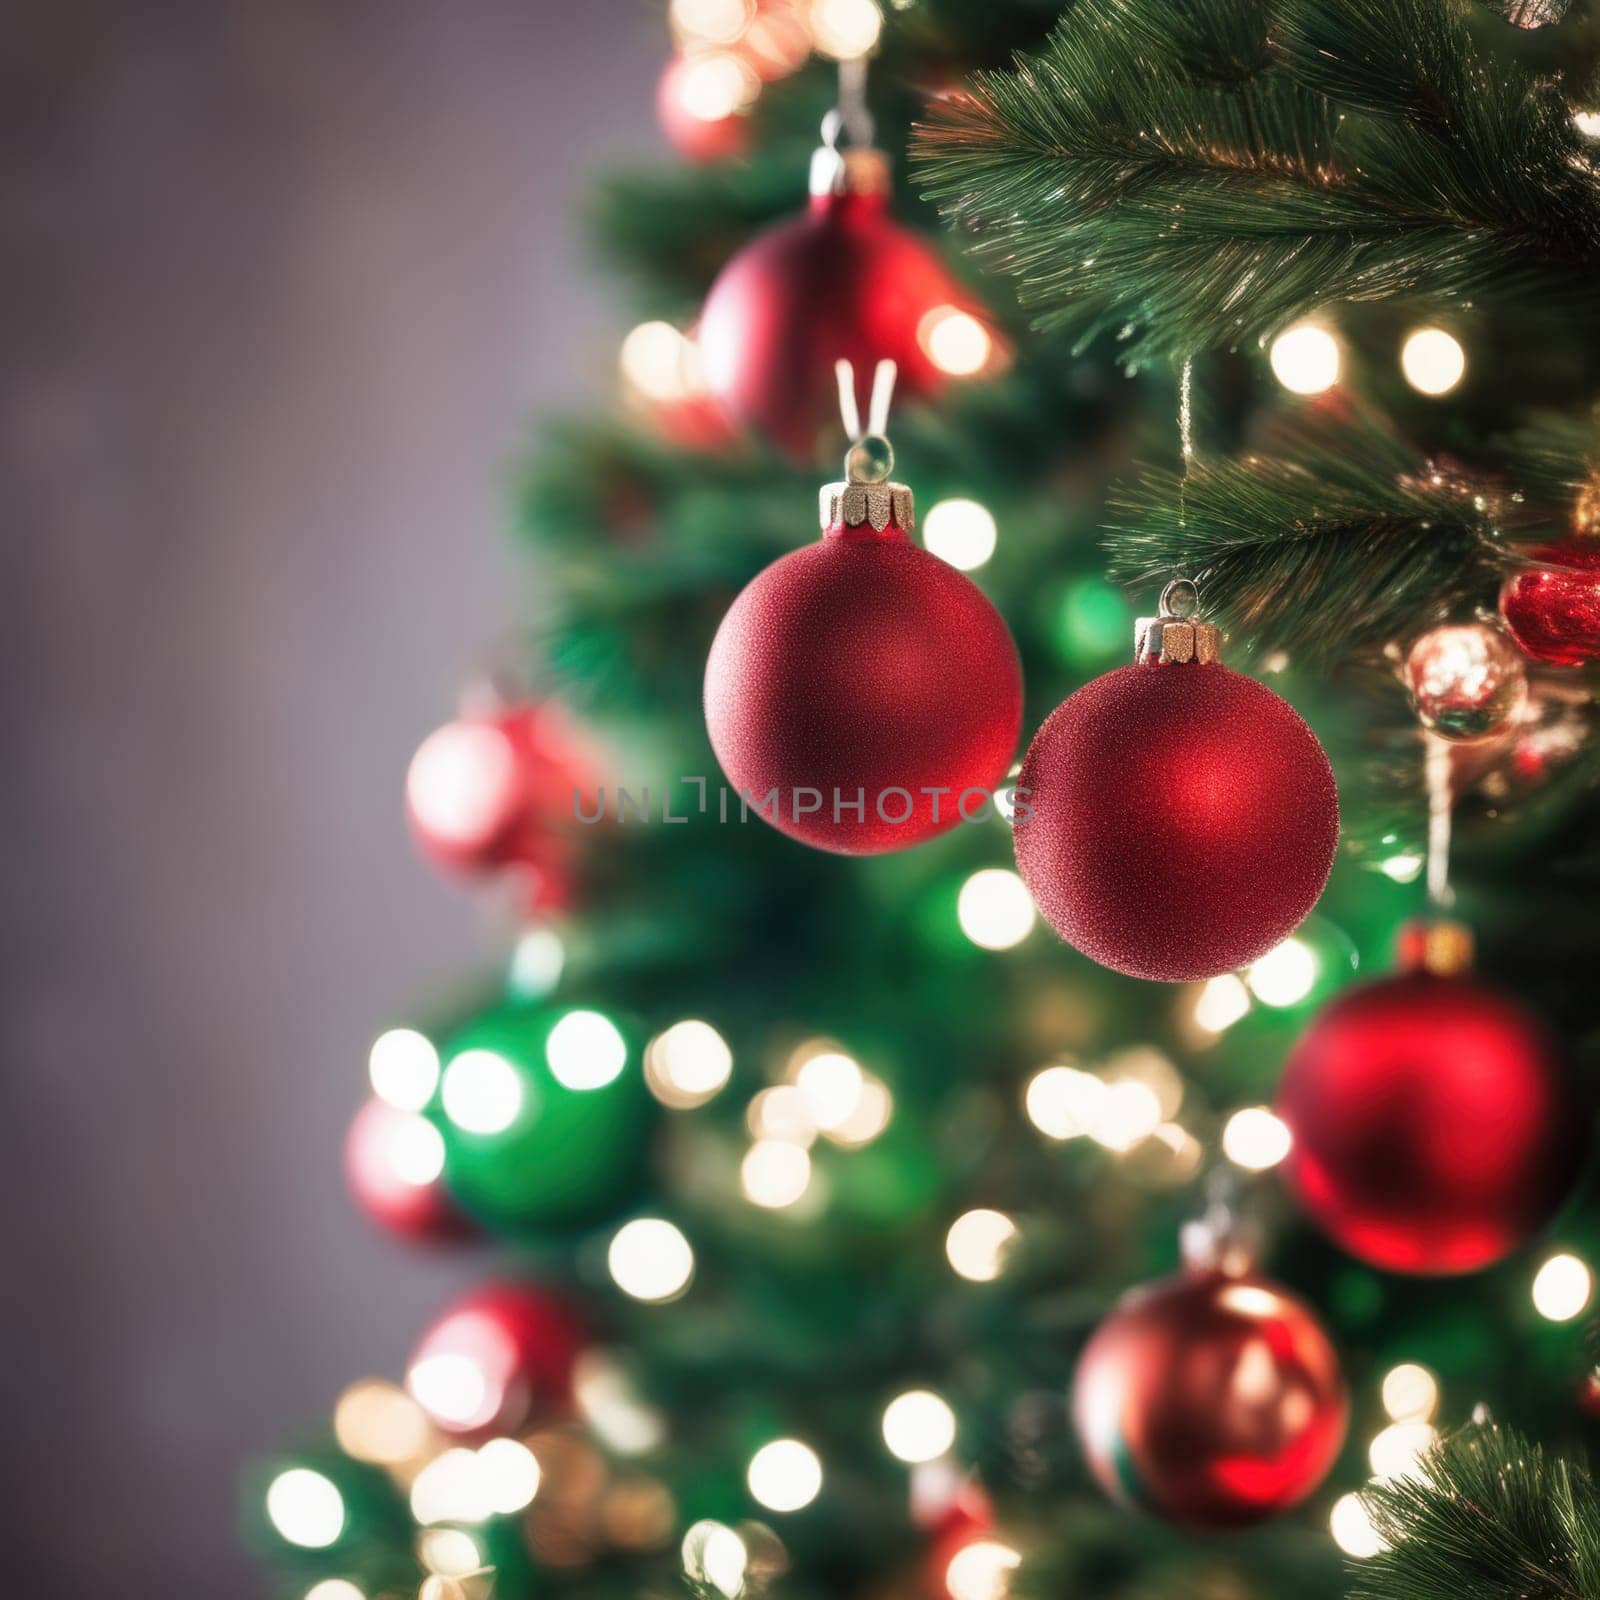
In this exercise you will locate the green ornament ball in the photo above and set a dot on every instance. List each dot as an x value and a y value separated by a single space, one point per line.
545 1117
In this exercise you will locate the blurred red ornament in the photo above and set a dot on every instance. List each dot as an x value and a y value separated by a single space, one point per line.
868 686
1175 819
1211 1399
702 104
841 282
498 1359
495 792
1435 1126
394 1164
1589 1395
1552 610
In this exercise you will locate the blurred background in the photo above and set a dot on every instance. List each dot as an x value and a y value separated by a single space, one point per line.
284 286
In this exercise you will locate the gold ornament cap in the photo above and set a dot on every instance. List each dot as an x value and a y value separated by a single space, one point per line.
867 495
1176 636
1438 946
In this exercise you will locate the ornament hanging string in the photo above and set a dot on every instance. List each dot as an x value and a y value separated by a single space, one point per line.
878 404
1436 776
850 115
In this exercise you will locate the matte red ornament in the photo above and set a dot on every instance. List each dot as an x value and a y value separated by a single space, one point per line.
841 282
1212 1399
394 1164
497 1359
1553 610
691 95
491 792
1436 1128
865 690
1175 819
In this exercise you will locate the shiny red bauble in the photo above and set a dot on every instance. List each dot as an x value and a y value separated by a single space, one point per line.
1553 610
842 282
1435 1125
497 1359
1211 1399
1175 821
700 105
487 793
863 693
394 1165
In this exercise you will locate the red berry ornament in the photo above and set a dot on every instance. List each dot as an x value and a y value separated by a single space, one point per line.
841 282
1211 1399
394 1164
1435 1126
863 694
1175 819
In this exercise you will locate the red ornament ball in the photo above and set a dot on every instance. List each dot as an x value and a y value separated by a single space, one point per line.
852 679
487 793
841 282
497 1359
702 101
1211 1399
394 1165
1553 610
1175 821
1435 1126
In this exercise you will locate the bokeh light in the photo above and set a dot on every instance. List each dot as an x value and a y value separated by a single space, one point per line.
1398 1450
918 1426
1432 360
1062 1102
1350 1523
1285 975
481 1092
711 21
585 1051
306 1508
650 1259
830 1084
981 1570
845 29
874 1108
785 1475
509 1476
380 1423
995 909
1562 1288
955 341
1410 1393
961 532
403 1067
1222 1001
688 1064
781 1112
536 963
978 1242
714 1554
1305 358
335 1589
775 1174
1255 1139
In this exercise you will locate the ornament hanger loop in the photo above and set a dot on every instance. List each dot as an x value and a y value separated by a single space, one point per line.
850 115
870 458
1181 599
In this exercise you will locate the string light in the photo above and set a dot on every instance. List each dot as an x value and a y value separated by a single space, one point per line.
1255 1139
403 1067
981 1571
715 86
774 1173
785 1475
1129 1113
1562 1288
955 341
306 1508
711 21
585 1051
481 1092
450 1488
961 532
918 1426
995 909
1398 1450
1285 975
380 1424
1587 123
661 363
449 1552
978 1242
1432 360
1062 1102
415 1151
781 1113
510 1476
1351 1526
830 1083
688 1064
713 1553
650 1260
1305 358
845 29
1221 1003
335 1589
1410 1393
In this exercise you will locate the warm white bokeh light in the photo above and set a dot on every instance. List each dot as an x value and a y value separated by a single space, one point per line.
716 85
403 1067
459 781
774 1173
995 909
536 962
781 1112
1285 975
450 1488
335 1589
381 1424
688 1064
1305 358
830 1084
415 1151
1129 1113
1432 360
1405 867
481 1092
1350 1523
1562 1288
611 1406
955 341
918 1426
714 1554
1397 1451
1255 1139
961 532
1064 1103
306 1508
978 1242
585 1051
1410 1393
662 364
785 1475
845 29
449 1553
509 1473
453 1388
981 1571
1221 1003
711 21
649 1259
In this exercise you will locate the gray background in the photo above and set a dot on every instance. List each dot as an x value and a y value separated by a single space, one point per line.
282 285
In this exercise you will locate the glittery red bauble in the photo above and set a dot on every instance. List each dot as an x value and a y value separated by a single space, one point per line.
1435 1127
685 89
1175 821
394 1164
841 282
862 669
496 1359
1210 1399
494 792
1553 610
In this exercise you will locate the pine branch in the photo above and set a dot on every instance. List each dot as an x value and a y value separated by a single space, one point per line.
1193 176
1494 1516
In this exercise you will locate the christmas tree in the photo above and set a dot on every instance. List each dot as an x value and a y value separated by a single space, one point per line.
901 1171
